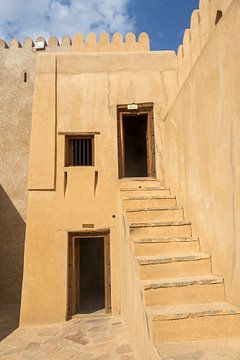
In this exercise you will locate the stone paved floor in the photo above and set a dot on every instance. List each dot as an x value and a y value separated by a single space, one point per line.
98 338
223 349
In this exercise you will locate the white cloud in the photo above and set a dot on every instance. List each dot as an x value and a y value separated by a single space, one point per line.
21 18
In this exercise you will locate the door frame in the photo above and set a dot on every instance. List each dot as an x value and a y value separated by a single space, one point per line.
74 270
143 109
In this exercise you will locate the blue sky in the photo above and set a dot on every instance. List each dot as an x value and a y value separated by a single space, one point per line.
164 20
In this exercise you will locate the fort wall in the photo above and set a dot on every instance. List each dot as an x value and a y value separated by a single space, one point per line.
17 81
77 93
17 75
196 105
202 26
201 137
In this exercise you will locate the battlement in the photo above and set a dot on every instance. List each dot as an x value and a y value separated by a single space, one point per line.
80 44
203 22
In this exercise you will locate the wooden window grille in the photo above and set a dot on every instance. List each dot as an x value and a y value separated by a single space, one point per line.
80 151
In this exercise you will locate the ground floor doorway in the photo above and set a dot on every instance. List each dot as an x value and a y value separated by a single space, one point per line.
136 147
89 282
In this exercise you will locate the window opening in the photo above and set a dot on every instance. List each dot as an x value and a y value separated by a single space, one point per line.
218 16
79 151
25 77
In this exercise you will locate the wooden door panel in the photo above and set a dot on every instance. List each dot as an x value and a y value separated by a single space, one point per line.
121 147
107 273
73 276
151 145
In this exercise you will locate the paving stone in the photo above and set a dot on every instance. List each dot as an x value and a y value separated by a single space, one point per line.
98 320
104 348
32 354
77 339
222 349
127 357
32 346
103 357
126 348
48 332
103 339
48 348
191 356
99 328
84 356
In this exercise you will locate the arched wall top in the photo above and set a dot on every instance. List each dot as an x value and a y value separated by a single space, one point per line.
66 41
28 43
53 41
203 23
88 43
15 43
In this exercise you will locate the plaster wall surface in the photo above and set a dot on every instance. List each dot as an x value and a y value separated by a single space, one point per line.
201 139
15 124
79 93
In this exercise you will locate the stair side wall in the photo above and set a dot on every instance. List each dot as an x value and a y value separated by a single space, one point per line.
133 307
201 148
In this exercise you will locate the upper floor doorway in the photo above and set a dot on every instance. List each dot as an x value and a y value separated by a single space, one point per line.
136 146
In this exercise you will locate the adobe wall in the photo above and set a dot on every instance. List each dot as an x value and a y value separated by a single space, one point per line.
15 123
15 127
201 142
79 92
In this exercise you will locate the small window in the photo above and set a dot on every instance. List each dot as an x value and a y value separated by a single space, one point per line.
25 76
79 151
218 16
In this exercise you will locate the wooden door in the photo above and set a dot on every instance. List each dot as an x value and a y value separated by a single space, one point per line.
151 169
107 274
73 276
121 147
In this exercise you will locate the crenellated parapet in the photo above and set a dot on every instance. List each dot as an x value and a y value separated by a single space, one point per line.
79 43
203 22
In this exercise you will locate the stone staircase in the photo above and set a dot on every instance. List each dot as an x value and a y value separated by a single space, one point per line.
182 298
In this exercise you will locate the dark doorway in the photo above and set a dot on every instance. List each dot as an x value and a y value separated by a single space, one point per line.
135 145
91 279
136 148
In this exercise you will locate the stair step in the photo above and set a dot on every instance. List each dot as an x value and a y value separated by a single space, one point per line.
143 188
164 246
168 266
143 182
145 192
194 289
154 214
194 321
164 240
184 281
146 260
149 201
186 311
148 197
170 229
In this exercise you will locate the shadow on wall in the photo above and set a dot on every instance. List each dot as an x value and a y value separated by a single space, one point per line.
12 237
